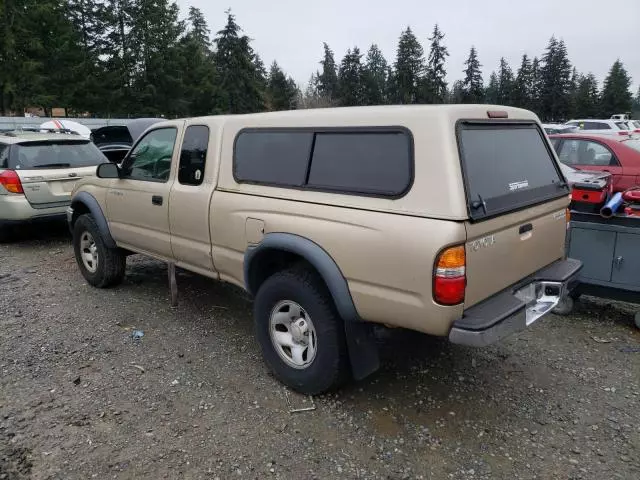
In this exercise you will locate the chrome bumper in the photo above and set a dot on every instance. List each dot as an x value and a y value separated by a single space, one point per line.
516 308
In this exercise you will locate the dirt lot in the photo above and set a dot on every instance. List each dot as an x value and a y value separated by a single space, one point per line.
80 398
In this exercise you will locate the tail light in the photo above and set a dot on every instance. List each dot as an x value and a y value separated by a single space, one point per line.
11 181
449 277
623 132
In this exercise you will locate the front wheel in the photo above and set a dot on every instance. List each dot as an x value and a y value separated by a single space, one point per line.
101 266
300 332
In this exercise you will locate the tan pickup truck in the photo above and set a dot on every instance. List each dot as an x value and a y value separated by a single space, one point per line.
447 220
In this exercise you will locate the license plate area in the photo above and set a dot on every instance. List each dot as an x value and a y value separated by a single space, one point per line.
540 298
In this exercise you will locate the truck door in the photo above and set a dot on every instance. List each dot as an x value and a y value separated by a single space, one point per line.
138 202
190 200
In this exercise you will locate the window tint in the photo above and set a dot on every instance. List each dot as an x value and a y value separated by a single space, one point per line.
55 154
150 160
271 157
506 167
596 126
4 156
193 155
371 162
585 152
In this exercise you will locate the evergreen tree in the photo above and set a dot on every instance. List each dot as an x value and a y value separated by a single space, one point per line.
457 92
119 56
536 92
587 99
555 74
375 72
522 95
492 93
472 84
636 105
351 79
282 92
328 78
409 68
238 79
199 75
89 22
616 96
505 83
436 84
199 30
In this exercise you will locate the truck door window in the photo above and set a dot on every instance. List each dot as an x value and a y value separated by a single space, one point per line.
150 159
193 155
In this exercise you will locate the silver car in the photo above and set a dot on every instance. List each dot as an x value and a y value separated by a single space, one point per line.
38 172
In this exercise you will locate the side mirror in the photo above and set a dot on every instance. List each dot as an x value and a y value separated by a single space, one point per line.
108 170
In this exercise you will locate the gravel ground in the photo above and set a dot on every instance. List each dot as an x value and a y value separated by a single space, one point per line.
80 398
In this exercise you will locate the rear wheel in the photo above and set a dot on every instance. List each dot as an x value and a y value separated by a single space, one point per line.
101 266
300 332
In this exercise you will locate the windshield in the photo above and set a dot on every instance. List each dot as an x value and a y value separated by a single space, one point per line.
635 144
507 167
55 154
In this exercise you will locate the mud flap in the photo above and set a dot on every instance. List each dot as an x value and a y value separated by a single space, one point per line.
363 349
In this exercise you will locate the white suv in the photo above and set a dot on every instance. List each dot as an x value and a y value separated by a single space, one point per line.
38 172
603 127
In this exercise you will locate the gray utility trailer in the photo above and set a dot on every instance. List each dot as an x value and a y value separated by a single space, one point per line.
610 252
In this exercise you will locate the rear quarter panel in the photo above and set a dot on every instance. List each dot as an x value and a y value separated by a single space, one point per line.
387 259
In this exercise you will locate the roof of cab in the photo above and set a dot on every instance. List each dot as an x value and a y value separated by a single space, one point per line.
374 114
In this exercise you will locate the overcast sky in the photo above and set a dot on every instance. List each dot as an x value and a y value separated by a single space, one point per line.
596 32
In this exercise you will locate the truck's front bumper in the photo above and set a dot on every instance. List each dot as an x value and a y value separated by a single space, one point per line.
517 307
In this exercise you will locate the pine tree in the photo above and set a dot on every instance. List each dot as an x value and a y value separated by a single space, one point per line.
636 105
328 78
457 92
616 96
199 75
505 83
282 92
492 93
436 84
409 68
522 95
375 72
536 85
351 79
89 22
555 75
237 74
587 99
472 84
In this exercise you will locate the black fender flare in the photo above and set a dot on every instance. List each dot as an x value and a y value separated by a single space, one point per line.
90 202
363 350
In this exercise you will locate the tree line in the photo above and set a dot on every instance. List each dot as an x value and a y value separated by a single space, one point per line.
140 58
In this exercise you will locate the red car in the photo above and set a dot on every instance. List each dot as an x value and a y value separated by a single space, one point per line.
618 155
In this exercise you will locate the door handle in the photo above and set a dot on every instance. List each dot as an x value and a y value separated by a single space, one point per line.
156 200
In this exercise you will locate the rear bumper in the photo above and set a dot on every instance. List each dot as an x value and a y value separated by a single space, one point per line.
15 209
517 307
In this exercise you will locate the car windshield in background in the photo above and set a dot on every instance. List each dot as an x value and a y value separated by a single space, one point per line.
55 154
507 167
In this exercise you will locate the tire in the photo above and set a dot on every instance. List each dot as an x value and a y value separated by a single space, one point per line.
109 264
278 295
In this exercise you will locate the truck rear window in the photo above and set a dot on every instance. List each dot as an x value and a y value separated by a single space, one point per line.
507 167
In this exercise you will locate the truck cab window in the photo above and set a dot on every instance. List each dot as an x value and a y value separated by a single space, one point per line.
150 159
193 156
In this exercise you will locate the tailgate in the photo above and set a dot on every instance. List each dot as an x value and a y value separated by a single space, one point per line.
503 250
516 197
51 187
